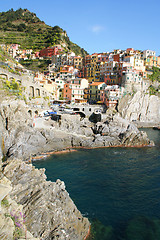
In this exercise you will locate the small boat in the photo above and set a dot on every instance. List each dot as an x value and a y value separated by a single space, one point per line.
156 128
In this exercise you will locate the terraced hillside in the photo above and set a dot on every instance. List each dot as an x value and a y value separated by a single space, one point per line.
25 28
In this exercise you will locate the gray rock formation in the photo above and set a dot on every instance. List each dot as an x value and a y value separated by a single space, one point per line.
12 221
141 107
1 137
23 140
49 211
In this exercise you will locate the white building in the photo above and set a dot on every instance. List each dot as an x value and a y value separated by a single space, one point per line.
77 86
139 63
129 59
60 86
147 53
132 80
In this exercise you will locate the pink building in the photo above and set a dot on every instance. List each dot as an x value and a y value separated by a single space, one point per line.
15 46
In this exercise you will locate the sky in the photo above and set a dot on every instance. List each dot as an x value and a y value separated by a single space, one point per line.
100 25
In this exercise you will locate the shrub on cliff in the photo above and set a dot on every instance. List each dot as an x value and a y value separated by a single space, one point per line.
155 75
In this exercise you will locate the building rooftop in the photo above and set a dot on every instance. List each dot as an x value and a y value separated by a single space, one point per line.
96 83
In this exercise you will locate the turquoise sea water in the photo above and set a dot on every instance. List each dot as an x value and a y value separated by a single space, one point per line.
118 189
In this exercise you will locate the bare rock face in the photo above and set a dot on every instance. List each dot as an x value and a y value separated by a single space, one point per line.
1 138
12 219
49 211
142 107
22 140
119 132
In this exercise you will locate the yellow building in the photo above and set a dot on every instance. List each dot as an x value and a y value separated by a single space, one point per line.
90 72
51 87
94 58
152 61
77 62
97 71
92 68
94 90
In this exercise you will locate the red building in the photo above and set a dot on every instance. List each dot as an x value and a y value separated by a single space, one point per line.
111 79
50 51
116 57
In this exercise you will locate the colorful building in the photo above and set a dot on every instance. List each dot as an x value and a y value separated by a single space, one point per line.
94 91
50 51
152 61
74 89
77 62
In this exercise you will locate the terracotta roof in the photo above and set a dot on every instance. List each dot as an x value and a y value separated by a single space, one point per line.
96 83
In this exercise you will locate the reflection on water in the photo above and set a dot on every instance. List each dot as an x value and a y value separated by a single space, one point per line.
120 187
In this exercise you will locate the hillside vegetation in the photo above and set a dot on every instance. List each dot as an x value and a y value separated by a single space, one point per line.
25 28
154 88
155 75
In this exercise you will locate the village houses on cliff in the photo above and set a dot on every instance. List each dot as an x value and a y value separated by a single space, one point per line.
101 78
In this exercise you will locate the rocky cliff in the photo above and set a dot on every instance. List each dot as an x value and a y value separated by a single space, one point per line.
12 219
21 139
141 107
49 211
